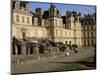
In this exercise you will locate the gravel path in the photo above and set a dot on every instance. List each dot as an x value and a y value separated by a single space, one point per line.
49 64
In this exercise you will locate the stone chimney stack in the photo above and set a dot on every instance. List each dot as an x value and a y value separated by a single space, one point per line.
17 5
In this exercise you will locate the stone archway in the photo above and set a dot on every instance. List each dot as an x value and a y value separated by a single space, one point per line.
31 50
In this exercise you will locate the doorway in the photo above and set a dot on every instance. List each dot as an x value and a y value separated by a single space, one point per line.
23 35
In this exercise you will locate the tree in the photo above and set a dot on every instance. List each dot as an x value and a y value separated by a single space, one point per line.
74 46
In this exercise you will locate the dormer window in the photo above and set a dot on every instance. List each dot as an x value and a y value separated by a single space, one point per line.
27 19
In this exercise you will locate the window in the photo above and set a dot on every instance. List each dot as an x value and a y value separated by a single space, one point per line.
31 50
91 28
24 35
88 42
17 18
51 22
92 42
84 43
23 20
56 32
91 34
84 35
39 23
88 34
35 21
53 12
85 27
27 19
94 34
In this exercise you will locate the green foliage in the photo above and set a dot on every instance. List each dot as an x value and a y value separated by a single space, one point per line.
74 46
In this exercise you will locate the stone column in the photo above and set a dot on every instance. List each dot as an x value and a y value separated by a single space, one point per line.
28 50
23 48
37 49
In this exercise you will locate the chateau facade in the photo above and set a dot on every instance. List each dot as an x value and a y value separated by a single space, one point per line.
71 28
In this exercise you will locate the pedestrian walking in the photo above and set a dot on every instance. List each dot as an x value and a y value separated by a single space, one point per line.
67 54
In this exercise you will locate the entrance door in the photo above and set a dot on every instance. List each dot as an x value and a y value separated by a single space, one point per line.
70 42
24 35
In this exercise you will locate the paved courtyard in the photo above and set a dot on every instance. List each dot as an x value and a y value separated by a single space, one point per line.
52 63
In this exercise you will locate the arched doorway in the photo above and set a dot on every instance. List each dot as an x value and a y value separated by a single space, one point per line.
23 35
31 50
23 31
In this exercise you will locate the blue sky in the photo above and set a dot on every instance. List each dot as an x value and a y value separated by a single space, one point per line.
84 9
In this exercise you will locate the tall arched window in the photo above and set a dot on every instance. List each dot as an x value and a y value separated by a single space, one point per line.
88 34
23 19
92 42
24 35
23 30
17 18
84 35
84 42
28 20
91 34
88 42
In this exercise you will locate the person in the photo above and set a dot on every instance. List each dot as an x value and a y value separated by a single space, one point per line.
67 54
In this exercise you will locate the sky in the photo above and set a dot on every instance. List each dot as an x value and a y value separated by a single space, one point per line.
84 9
